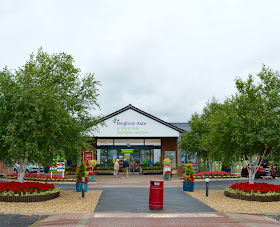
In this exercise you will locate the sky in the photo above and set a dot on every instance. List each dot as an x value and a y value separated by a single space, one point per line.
167 58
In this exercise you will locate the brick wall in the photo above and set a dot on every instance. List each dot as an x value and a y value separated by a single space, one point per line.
168 144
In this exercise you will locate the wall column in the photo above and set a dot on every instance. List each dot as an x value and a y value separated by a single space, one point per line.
179 160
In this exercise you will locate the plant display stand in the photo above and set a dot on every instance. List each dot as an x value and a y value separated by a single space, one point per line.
167 177
92 178
79 186
188 186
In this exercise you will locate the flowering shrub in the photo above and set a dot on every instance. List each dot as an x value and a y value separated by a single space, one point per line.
254 189
44 177
92 173
168 172
214 174
188 179
26 188
80 179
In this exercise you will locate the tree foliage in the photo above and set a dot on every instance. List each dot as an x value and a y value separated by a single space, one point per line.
44 109
246 124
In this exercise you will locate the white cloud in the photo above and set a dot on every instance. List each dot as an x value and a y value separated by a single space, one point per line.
167 58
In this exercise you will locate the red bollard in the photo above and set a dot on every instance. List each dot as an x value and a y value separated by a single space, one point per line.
156 194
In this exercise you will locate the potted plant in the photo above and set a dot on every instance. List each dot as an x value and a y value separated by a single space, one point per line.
93 163
92 176
166 165
167 175
188 180
80 174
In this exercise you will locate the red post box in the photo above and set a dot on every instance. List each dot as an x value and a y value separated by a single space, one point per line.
156 194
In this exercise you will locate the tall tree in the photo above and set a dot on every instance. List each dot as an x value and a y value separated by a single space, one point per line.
257 117
44 110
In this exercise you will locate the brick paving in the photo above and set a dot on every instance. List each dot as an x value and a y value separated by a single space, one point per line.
129 219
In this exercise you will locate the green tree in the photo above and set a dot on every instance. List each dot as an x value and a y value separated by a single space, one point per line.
246 124
44 110
257 117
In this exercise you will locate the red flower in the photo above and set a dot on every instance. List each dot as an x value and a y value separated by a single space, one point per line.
168 172
86 179
22 188
92 173
191 179
256 187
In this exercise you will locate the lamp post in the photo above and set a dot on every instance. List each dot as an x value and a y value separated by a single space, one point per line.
207 185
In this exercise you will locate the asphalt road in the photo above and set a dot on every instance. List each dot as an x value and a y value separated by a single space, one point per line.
136 200
12 220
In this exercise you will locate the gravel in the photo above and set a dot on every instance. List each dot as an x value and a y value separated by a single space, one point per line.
69 201
218 201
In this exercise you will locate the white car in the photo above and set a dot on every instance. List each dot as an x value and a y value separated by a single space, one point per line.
30 168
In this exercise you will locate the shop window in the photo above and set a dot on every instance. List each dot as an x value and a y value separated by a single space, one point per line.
147 156
108 156
153 142
129 142
188 157
157 155
104 142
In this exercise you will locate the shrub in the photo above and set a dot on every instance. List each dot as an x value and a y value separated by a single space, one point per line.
93 163
189 171
166 162
81 172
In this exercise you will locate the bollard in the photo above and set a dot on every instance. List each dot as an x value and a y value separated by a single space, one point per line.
83 187
207 183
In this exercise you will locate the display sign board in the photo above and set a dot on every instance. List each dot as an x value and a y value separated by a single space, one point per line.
126 150
88 157
57 166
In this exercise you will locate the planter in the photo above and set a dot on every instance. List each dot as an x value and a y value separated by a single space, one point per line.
167 177
258 198
188 186
30 198
46 169
92 178
79 186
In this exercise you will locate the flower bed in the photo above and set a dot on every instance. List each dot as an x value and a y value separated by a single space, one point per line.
27 192
214 174
262 192
40 177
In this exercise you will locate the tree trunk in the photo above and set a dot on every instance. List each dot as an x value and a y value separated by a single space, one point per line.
213 166
22 169
251 171
38 170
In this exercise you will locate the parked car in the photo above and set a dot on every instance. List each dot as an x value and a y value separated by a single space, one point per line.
263 170
30 168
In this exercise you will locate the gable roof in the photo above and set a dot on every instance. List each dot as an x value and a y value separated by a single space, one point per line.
173 125
185 126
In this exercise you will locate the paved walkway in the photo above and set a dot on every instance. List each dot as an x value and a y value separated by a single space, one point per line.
133 219
128 206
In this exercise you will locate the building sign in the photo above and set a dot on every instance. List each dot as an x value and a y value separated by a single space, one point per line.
126 150
133 124
130 127
87 157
